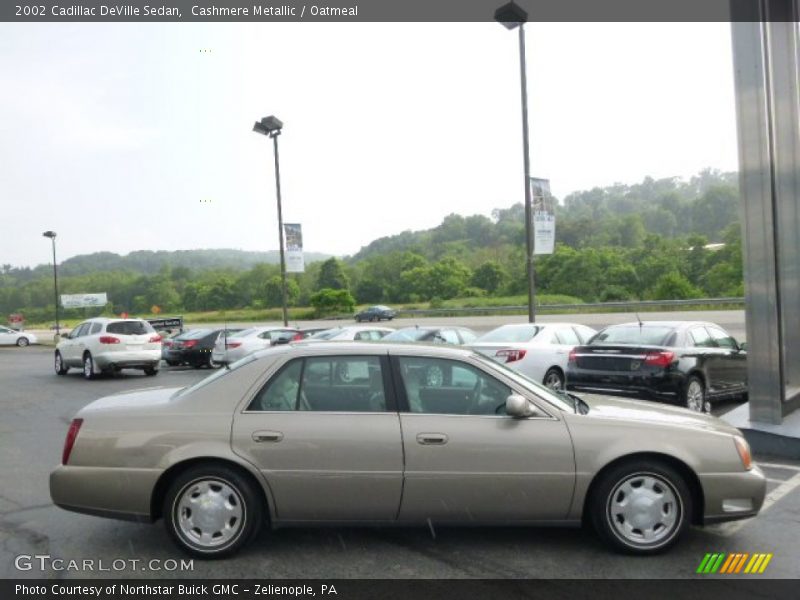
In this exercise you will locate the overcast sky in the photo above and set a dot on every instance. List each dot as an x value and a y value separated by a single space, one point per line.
125 137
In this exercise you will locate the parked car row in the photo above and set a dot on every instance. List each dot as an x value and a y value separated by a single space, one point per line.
681 362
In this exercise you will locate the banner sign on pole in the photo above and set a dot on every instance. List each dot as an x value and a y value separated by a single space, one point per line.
294 248
82 300
544 217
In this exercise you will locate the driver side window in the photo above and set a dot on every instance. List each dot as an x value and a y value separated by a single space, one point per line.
438 386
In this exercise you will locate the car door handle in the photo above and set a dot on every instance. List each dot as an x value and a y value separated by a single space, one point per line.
267 436
432 439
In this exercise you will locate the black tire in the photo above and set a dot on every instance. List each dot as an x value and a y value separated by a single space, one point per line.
172 363
238 493
88 366
151 371
690 398
22 342
211 363
58 364
358 319
554 377
675 496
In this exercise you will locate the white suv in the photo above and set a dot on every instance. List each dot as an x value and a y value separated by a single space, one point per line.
102 344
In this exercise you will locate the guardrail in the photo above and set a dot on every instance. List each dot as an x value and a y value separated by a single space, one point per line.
631 306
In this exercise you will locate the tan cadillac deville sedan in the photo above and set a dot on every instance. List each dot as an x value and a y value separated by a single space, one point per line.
375 434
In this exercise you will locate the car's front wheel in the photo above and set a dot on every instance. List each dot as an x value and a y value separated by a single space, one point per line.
151 371
22 342
58 363
212 364
641 507
212 511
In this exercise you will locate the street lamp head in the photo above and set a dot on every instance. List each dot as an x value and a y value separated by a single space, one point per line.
259 128
510 15
49 234
272 123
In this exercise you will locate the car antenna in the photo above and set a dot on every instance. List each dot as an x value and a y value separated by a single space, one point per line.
640 321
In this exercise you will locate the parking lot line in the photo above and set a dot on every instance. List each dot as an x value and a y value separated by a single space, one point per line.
778 466
728 529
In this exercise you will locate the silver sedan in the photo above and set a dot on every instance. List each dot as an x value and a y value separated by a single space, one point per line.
358 433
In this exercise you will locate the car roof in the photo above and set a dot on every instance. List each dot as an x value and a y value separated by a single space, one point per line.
369 348
673 324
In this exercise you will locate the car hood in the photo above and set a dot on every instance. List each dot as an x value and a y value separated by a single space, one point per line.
147 398
612 408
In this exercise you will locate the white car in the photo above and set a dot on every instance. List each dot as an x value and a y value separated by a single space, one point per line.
363 333
538 351
10 337
238 345
103 344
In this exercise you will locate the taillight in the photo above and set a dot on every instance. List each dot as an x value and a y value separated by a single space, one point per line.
154 338
108 339
167 343
659 359
189 343
510 355
573 356
297 336
233 344
69 442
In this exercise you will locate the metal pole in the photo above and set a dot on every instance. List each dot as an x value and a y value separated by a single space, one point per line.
280 232
526 159
55 288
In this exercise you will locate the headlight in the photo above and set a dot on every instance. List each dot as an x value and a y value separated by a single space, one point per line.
743 448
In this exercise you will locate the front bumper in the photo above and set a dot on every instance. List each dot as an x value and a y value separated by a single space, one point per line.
733 496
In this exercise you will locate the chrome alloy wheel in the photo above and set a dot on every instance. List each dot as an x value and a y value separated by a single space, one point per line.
88 366
695 396
644 510
209 513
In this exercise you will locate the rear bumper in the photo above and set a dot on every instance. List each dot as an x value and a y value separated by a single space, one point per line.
732 496
107 492
128 359
661 386
189 356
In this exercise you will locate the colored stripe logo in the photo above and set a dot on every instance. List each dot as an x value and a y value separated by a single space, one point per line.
734 563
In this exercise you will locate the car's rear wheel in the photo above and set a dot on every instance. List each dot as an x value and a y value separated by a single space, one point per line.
88 366
151 371
212 511
22 342
173 363
641 507
554 379
58 363
694 394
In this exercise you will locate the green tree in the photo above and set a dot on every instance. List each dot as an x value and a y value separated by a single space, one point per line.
674 286
490 276
332 275
329 301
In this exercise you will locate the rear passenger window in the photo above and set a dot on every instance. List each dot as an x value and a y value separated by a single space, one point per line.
325 384
701 338
567 336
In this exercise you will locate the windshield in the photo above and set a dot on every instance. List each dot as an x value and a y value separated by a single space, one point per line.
411 334
562 402
130 328
245 332
194 334
633 334
511 333
325 335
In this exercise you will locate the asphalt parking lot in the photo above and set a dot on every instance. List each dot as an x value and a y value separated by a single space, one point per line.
37 406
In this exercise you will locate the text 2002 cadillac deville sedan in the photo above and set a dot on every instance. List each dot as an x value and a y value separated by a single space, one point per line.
398 434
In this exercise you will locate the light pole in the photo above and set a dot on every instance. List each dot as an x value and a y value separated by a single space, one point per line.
52 236
271 126
511 16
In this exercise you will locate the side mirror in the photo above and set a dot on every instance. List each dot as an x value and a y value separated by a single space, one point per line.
519 407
